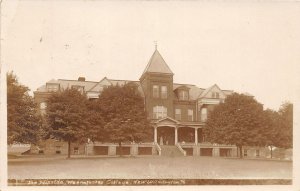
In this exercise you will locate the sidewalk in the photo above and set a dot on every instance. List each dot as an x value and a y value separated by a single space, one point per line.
23 158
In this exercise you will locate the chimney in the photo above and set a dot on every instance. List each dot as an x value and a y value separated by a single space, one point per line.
81 79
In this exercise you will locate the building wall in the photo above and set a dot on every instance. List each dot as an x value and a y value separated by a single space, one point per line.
161 80
51 146
184 106
209 108
39 98
255 152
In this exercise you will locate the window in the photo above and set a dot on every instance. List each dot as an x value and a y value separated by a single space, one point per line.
76 150
178 114
257 153
183 95
155 91
190 115
159 112
245 152
164 92
215 95
79 88
52 87
43 106
58 151
203 114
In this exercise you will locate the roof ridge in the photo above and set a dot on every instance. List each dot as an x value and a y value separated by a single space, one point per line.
185 84
77 80
123 80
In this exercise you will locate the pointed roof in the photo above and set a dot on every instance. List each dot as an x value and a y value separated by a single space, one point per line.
157 64
205 92
100 84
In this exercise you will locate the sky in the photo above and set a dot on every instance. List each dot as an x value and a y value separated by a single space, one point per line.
245 47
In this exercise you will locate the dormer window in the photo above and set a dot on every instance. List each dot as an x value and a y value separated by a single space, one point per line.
183 95
52 87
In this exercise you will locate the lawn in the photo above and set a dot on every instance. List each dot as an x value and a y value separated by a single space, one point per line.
147 167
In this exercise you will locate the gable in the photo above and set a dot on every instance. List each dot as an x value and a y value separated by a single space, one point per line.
99 86
167 122
212 91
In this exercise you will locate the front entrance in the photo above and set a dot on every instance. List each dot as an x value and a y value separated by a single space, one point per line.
166 135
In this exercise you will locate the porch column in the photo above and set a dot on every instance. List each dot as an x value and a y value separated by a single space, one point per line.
196 136
176 136
155 134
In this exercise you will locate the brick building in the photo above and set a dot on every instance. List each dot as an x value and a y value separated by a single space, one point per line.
177 111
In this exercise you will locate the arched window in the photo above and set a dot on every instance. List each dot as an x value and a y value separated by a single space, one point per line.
159 112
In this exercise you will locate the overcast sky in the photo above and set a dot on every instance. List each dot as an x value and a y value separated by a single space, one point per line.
245 47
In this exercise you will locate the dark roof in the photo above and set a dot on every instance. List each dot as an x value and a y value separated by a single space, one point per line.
194 91
90 86
64 84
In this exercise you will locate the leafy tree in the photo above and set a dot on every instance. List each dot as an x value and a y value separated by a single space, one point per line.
286 125
238 121
95 130
67 116
122 108
22 119
272 132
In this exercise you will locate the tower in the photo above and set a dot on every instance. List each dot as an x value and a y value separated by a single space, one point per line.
157 84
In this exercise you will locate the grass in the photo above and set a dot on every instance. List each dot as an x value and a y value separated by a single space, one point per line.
147 167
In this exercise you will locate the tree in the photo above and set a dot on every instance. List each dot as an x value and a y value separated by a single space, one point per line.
273 132
286 125
22 119
122 108
67 116
238 121
95 130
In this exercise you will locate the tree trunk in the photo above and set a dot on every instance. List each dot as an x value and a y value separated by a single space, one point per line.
120 146
271 151
69 149
241 151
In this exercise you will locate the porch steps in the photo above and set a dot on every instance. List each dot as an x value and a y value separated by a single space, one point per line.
170 150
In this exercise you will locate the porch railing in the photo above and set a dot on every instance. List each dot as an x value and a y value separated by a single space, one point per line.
181 149
158 148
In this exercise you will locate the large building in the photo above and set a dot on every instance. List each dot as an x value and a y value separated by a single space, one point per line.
177 112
